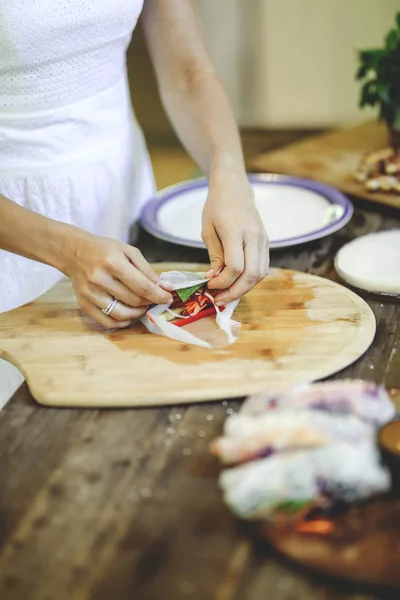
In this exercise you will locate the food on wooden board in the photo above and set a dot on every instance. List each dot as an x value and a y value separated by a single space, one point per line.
380 170
192 301
191 304
304 451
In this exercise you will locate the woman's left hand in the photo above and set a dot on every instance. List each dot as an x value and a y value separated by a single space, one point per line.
235 237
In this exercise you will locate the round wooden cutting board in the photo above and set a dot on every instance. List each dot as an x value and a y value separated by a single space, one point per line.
295 328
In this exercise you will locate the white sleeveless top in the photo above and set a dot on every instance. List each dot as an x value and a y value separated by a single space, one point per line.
70 147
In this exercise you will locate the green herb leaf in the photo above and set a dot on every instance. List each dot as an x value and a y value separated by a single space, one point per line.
398 20
185 293
291 506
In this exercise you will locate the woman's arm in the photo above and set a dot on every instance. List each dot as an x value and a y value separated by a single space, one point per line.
202 117
31 235
100 268
189 86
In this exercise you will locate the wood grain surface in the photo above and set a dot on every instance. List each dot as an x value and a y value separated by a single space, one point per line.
332 158
295 328
124 504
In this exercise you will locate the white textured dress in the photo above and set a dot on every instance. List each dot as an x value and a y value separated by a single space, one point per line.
70 147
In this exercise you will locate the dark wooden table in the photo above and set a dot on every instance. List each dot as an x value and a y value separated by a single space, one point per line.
124 504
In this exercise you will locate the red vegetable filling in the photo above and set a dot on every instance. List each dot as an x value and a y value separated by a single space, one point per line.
198 306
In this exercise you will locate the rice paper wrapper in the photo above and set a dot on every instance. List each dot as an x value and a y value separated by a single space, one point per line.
156 323
363 399
341 470
303 416
248 438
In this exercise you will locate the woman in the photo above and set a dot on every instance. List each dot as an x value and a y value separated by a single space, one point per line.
74 170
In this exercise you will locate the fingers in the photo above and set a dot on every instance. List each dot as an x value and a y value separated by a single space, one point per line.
120 312
234 262
105 321
264 253
117 289
139 261
143 287
108 269
120 317
256 265
138 276
215 251
249 277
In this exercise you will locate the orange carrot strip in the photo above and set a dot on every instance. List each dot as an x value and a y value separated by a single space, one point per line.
320 527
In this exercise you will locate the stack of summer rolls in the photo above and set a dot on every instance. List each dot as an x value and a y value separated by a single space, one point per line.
305 451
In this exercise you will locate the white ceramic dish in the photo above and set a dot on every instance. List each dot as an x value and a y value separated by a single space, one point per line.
294 210
372 262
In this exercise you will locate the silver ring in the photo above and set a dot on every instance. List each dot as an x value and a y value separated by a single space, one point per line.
110 307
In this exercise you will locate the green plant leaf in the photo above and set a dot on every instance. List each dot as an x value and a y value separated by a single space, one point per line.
391 40
379 69
362 71
383 92
185 293
369 95
371 57
395 94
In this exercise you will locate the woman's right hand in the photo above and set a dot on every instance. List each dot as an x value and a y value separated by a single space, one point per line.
102 269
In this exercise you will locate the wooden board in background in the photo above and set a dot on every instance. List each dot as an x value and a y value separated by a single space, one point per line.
295 327
331 158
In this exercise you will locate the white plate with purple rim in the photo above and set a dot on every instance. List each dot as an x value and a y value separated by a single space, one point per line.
294 210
